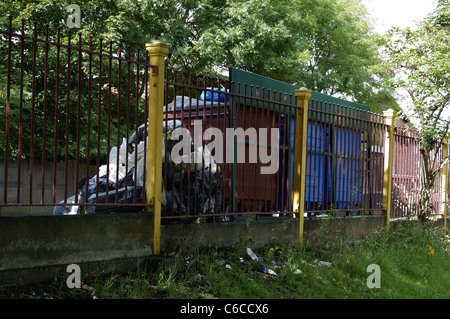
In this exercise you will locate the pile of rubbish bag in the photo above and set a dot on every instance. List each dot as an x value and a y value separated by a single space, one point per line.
114 184
192 185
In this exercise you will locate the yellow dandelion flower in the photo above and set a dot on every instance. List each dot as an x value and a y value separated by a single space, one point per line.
430 252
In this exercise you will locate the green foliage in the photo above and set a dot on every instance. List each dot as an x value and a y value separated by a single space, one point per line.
441 15
325 45
257 36
419 60
341 50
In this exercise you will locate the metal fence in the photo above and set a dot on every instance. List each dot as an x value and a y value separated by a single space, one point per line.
407 172
80 106
345 160
223 177
73 127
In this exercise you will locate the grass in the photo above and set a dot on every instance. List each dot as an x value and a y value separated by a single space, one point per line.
408 270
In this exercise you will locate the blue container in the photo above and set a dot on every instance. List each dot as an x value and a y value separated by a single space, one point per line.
321 192
318 166
214 96
348 187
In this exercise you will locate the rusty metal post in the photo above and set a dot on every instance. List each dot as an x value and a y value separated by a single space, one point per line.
390 116
157 53
301 132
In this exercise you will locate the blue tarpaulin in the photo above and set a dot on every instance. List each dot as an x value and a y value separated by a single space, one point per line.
332 167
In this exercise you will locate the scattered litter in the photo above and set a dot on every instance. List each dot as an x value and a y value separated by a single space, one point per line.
220 261
252 254
200 276
322 263
86 287
187 261
266 267
174 254
267 270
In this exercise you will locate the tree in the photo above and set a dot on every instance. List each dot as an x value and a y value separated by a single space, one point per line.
324 45
257 35
419 60
342 52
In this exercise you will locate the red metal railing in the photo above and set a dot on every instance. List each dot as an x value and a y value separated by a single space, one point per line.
73 122
226 187
345 160
407 172
263 108
69 109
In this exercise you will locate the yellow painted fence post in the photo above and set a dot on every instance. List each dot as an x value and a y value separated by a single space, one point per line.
301 132
390 116
157 53
444 183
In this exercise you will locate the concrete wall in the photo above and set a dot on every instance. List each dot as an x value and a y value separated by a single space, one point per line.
185 238
40 247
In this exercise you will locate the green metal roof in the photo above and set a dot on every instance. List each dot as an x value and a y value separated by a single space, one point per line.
245 77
